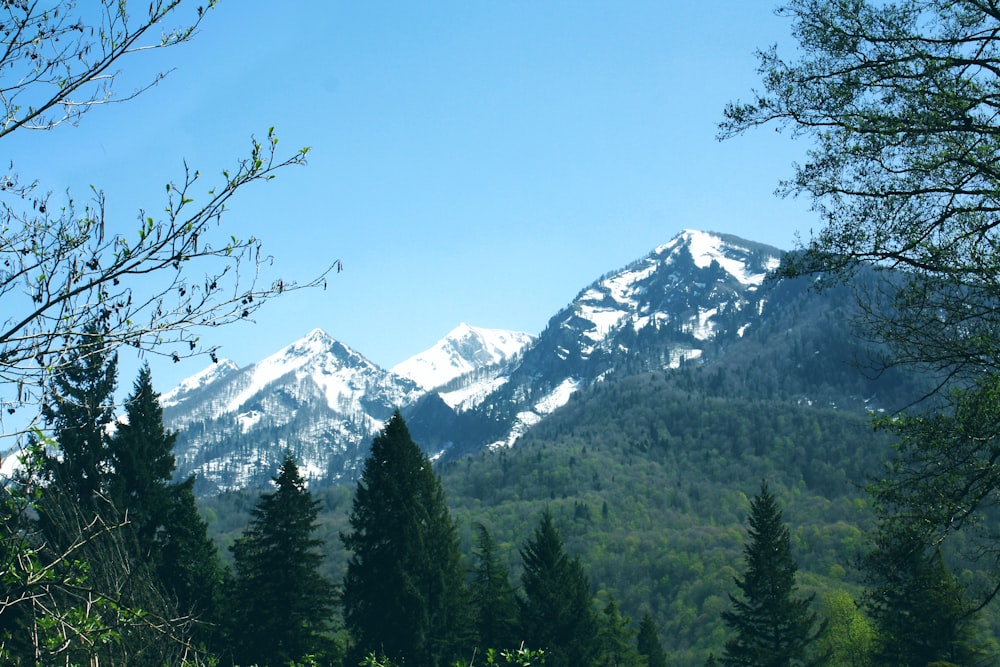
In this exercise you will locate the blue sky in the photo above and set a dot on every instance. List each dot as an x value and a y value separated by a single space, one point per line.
477 161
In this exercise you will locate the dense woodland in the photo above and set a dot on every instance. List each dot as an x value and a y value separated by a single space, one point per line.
738 512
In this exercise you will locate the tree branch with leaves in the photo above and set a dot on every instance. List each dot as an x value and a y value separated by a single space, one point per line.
151 289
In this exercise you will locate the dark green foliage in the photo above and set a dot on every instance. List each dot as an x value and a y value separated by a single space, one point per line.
79 407
141 454
169 532
404 595
493 599
615 640
919 609
557 613
943 485
280 606
187 562
771 627
648 643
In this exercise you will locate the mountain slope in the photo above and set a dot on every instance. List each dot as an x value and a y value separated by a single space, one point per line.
464 350
662 311
701 299
316 397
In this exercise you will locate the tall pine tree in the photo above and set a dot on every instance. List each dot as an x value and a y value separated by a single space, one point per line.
648 642
772 627
493 599
556 612
79 406
615 640
141 455
280 606
920 611
404 594
170 534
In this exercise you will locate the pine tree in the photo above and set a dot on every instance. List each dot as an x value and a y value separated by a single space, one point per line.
404 595
141 454
919 609
556 612
187 563
80 406
493 599
169 531
615 635
648 643
280 605
772 627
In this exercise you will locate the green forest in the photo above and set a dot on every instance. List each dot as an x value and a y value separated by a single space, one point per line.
803 497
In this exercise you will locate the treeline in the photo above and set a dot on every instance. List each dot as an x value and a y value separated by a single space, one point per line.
107 561
631 503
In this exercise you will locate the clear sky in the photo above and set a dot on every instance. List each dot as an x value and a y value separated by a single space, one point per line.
474 160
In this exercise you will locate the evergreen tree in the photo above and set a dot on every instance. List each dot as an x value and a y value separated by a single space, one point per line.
772 627
615 640
187 563
80 406
141 455
648 643
556 612
920 612
281 606
170 533
493 599
404 595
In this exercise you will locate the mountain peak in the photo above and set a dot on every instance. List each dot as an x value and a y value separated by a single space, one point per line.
199 380
733 255
463 349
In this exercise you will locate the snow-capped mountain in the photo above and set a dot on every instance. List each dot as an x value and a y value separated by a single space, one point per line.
662 311
317 398
476 387
464 350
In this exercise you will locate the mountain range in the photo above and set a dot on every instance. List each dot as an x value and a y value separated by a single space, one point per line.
700 298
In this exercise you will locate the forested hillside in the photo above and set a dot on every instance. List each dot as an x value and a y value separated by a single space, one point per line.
649 477
649 480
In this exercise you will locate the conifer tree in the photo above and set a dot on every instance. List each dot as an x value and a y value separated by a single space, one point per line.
615 640
280 605
920 611
493 599
141 454
169 532
556 612
404 595
772 627
648 643
79 407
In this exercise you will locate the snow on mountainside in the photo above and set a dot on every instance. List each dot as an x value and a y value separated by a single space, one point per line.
658 312
316 397
476 387
464 350
198 381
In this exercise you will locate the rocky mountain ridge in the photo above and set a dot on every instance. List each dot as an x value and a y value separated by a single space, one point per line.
477 387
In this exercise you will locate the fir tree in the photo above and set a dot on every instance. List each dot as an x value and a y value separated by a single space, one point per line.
169 531
919 609
280 606
648 643
615 640
404 597
141 455
493 599
772 628
556 612
80 406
